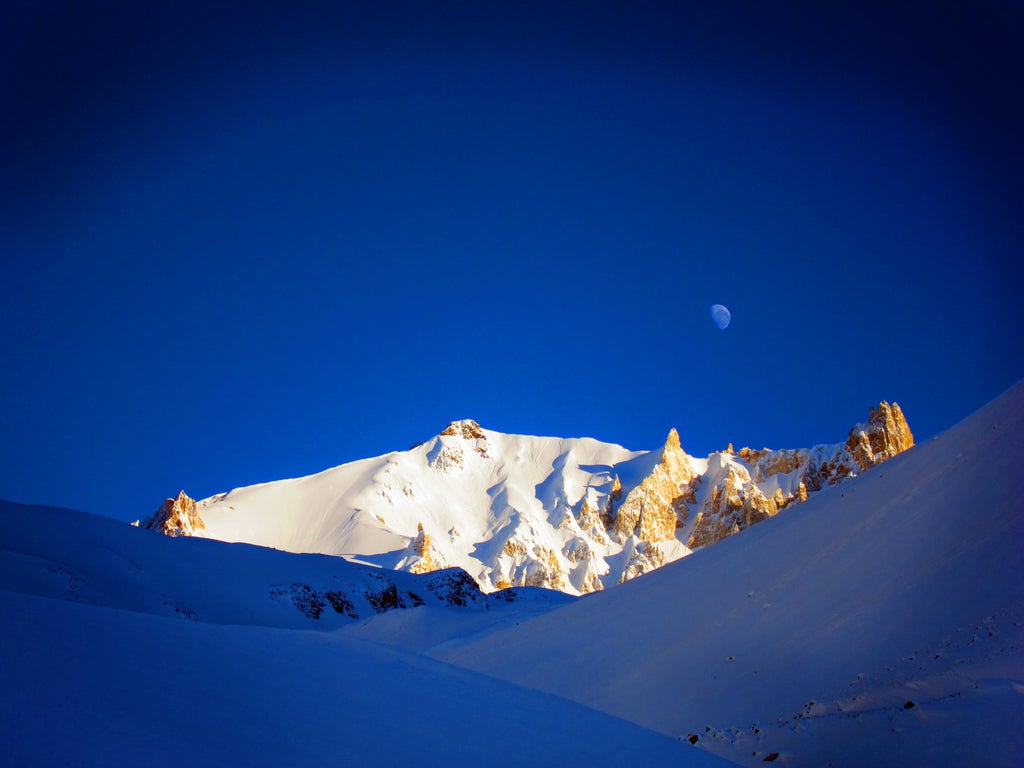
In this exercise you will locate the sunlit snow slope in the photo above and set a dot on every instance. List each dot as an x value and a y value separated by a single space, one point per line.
575 515
880 623
456 500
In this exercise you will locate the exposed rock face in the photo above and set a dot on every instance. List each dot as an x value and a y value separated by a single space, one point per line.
591 522
448 452
455 587
176 517
644 558
657 506
470 432
467 429
423 557
525 563
739 498
377 591
885 434
733 504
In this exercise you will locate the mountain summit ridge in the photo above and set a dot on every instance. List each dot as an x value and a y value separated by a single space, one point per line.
572 514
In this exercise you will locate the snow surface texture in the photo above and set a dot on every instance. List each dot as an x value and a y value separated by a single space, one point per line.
126 648
575 515
880 623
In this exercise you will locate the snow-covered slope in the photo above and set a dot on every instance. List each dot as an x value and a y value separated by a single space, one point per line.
880 623
73 556
460 499
575 515
86 685
123 648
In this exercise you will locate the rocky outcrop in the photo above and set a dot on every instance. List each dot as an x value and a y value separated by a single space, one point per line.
470 432
614 497
422 556
657 506
455 587
176 517
591 522
544 569
523 562
885 434
448 452
732 504
741 497
644 558
467 429
379 591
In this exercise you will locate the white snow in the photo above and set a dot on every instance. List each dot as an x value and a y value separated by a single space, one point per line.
123 648
808 634
485 489
880 623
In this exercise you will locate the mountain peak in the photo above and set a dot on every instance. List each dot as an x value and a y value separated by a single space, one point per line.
464 428
176 517
885 434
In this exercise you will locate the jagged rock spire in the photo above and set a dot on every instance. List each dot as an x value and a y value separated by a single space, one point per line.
654 509
885 434
176 517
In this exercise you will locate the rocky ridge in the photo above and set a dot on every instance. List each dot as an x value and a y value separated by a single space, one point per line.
176 517
570 515
754 485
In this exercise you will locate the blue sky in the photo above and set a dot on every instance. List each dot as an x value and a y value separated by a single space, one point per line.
241 247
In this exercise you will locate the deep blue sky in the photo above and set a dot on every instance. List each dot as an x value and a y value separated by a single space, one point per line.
245 246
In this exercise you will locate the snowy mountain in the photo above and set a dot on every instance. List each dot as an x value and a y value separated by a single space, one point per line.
880 623
575 515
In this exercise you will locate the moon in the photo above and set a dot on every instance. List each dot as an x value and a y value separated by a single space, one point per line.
721 316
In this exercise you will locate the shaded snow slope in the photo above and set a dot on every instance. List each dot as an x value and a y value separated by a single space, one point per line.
880 623
86 685
123 647
68 555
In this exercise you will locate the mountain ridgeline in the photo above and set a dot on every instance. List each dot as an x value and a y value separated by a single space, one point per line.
574 515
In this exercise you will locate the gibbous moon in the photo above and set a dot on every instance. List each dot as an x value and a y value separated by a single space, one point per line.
721 316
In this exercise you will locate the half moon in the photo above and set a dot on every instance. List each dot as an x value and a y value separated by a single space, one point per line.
721 316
